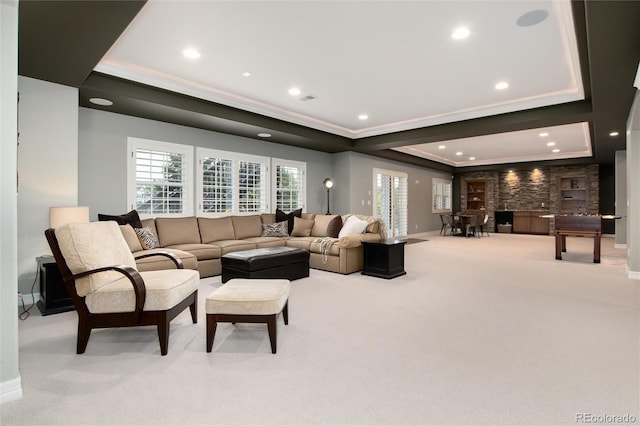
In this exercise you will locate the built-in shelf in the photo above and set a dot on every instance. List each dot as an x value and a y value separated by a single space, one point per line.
574 195
476 196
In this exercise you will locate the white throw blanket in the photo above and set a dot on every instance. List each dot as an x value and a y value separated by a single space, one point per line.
325 246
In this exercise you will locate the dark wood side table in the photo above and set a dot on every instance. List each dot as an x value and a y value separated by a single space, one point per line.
384 259
54 297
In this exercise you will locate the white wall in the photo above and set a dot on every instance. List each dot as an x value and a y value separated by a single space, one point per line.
621 199
47 166
10 387
633 189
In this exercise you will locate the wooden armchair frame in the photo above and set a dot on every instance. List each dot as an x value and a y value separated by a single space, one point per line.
87 321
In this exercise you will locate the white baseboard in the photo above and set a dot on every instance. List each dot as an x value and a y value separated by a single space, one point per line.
620 246
29 299
10 390
634 275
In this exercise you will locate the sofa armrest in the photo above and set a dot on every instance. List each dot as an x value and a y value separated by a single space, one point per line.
357 239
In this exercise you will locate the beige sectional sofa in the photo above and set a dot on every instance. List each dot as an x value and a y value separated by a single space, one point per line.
200 242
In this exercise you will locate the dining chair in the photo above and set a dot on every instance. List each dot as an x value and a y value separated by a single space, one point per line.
455 224
483 225
445 224
472 226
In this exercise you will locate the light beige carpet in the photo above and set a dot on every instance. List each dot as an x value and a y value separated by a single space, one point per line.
487 330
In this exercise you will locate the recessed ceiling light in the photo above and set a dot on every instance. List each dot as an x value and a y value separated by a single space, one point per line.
264 135
101 101
555 150
544 134
363 117
459 153
442 147
551 143
460 33
294 91
191 53
502 85
510 171
472 158
246 74
614 134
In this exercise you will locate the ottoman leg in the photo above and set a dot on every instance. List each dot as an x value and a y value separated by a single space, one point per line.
273 332
285 313
212 323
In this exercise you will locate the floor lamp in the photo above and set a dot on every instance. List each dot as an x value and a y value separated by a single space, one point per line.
328 184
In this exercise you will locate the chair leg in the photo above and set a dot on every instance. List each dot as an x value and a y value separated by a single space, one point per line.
212 324
84 331
194 312
273 332
163 334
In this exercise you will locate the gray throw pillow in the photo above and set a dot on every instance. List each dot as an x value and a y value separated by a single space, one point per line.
278 229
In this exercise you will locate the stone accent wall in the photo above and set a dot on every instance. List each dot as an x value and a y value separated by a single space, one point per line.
536 189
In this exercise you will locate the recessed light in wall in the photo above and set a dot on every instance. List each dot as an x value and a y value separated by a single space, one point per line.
555 150
101 101
441 146
294 91
472 158
264 135
502 85
543 134
612 134
459 153
191 53
363 117
552 143
246 74
460 33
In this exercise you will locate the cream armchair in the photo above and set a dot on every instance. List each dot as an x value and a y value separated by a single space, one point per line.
100 274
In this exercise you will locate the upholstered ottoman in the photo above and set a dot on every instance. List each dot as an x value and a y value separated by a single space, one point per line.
271 262
243 300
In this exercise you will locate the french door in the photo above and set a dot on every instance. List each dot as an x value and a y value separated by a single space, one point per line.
390 201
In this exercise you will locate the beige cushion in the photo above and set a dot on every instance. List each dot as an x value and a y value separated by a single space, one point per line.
308 216
249 297
317 246
87 246
247 226
268 218
301 227
300 242
156 263
229 246
165 289
216 229
200 251
131 238
177 230
150 223
320 224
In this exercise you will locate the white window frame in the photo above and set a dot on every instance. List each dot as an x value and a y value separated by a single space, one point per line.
441 200
394 174
134 144
236 159
302 166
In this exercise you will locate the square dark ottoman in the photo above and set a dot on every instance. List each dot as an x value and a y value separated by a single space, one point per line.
272 262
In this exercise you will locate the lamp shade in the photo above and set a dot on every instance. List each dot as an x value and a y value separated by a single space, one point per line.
328 183
59 216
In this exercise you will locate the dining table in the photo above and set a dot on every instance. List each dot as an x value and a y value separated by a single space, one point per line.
464 219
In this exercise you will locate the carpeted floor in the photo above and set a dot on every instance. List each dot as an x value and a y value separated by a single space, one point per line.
480 331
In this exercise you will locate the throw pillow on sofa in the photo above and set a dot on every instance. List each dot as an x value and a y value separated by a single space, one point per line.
334 227
352 226
280 216
278 229
132 218
148 238
301 227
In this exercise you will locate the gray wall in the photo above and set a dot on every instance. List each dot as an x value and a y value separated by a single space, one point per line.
621 198
103 163
360 168
10 387
633 189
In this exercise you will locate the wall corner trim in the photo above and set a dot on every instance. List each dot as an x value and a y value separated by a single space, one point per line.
634 275
10 390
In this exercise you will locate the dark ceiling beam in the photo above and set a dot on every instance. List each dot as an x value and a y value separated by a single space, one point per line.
156 104
410 159
65 40
573 112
